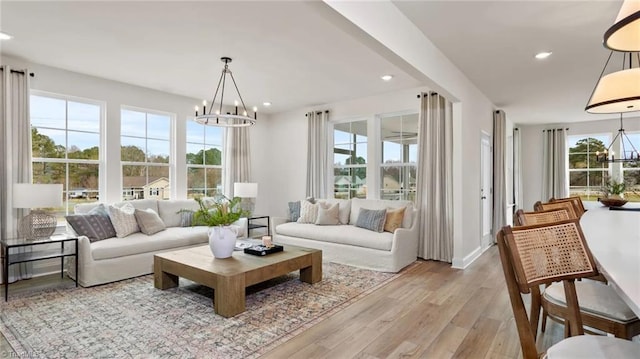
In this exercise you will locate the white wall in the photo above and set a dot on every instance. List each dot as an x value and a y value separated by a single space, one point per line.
532 149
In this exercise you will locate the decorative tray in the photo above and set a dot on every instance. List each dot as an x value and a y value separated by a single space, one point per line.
261 250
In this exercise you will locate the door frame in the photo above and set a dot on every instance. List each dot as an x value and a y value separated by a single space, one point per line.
486 239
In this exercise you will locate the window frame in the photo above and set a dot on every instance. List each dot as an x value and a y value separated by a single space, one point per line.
589 192
205 166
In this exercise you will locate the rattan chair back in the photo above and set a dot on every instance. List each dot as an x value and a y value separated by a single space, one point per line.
532 255
523 218
568 206
577 203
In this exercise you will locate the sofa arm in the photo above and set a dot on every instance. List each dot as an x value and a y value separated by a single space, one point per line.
406 239
276 221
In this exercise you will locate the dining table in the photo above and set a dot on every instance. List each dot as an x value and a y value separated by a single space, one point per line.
614 239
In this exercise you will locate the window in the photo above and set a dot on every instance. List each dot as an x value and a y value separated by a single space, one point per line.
399 145
145 146
350 160
204 159
631 170
586 176
65 135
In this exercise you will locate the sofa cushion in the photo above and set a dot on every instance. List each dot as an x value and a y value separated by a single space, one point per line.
328 214
357 203
371 219
343 234
96 227
149 221
308 212
294 211
123 220
136 243
169 210
344 208
394 219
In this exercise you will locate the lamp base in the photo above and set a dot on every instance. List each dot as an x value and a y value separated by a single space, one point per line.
37 224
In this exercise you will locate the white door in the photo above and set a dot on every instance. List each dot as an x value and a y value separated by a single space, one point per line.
486 191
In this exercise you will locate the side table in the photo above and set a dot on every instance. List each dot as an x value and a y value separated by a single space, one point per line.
37 254
251 224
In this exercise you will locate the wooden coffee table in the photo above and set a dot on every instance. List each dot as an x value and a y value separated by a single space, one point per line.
230 276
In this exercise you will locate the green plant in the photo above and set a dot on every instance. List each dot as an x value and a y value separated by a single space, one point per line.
221 211
614 187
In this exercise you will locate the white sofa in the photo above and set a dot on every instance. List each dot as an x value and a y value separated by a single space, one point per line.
351 245
114 259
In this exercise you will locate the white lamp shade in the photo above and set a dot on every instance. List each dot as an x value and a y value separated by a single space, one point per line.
28 195
624 35
245 190
616 92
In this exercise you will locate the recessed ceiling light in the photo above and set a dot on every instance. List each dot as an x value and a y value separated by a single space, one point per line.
267 103
543 55
5 36
386 77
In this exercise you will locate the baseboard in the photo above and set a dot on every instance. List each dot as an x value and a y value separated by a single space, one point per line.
466 261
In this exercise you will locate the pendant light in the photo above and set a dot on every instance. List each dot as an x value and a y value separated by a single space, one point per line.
624 35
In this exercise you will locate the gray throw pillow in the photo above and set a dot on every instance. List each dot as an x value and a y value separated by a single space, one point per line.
186 219
96 227
100 209
294 211
372 220
149 221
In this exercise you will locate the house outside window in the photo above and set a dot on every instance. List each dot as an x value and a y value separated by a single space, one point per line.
399 153
145 145
66 146
204 159
350 160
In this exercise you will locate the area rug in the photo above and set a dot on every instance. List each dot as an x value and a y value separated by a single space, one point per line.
131 318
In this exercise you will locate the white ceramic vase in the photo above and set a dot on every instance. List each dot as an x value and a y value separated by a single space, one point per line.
222 241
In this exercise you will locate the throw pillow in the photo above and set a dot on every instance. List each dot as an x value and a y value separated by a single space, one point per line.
149 221
394 219
186 218
308 212
328 215
124 220
294 211
372 220
99 209
96 227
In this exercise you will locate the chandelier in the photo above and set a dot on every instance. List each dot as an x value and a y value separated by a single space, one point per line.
624 35
218 117
629 152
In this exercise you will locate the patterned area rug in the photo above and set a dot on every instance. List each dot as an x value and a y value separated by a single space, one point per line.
133 319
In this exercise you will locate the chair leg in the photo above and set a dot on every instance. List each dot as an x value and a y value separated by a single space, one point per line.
567 329
536 305
544 320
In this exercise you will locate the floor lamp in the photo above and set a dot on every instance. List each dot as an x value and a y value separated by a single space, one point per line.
38 223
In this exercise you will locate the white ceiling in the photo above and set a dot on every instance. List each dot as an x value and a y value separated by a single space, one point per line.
295 56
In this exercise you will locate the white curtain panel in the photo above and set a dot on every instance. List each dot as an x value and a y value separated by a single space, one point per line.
517 169
435 178
499 170
15 160
554 167
237 158
317 154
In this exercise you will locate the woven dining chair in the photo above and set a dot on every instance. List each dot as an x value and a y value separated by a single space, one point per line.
542 254
577 203
523 218
568 206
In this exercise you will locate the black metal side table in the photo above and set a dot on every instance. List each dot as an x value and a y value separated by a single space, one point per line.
37 254
251 224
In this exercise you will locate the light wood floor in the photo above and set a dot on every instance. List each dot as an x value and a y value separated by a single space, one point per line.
433 311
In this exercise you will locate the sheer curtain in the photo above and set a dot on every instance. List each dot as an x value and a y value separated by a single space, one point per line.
554 166
435 180
317 153
15 159
237 158
518 193
499 170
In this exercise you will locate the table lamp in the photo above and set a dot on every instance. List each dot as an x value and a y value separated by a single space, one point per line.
38 223
246 191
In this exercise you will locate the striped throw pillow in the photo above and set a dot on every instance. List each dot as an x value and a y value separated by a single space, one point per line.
372 220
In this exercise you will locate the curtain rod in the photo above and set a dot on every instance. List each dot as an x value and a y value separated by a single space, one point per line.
20 72
317 113
428 93
556 129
